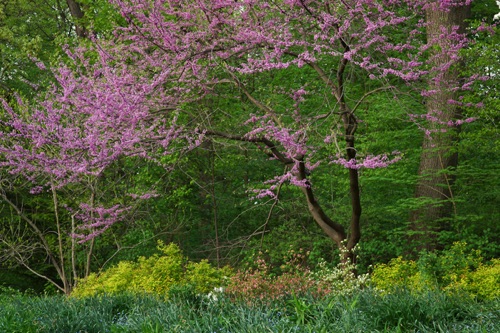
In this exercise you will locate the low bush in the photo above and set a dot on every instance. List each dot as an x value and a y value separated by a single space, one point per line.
397 274
295 279
341 279
455 270
254 284
483 283
155 275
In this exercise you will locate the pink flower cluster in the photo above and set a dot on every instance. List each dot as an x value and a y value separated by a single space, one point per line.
369 162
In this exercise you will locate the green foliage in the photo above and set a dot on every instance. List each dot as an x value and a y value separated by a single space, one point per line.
17 279
443 268
302 310
287 238
431 311
484 10
101 16
454 270
477 185
484 282
184 293
27 30
205 277
155 275
365 311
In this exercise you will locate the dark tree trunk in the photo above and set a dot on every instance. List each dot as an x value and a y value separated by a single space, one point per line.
77 13
438 153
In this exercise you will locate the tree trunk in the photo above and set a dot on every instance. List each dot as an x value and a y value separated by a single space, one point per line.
438 155
77 13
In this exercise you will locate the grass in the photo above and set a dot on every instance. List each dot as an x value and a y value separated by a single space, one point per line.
365 311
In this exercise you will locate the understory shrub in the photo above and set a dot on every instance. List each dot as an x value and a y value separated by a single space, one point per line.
397 274
484 282
341 279
258 283
455 270
154 275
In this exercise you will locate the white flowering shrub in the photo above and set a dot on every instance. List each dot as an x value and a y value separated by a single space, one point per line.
341 279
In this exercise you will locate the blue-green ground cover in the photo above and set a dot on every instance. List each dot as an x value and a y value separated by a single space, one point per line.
364 311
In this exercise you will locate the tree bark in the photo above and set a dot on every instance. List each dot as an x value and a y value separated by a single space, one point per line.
332 229
438 154
77 13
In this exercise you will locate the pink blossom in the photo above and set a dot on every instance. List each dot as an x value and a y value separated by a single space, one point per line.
369 162
139 94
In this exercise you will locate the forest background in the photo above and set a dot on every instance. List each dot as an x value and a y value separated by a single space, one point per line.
205 200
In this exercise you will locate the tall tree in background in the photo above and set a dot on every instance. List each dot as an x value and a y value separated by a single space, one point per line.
445 28
77 13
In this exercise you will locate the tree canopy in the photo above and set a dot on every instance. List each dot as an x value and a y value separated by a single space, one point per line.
301 82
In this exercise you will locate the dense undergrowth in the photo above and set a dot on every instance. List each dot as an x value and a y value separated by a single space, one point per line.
451 291
455 270
363 311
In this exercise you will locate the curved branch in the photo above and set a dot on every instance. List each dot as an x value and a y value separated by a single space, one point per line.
334 230
368 94
256 102
272 147
46 278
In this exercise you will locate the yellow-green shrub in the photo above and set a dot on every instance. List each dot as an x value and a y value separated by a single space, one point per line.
397 274
483 282
154 275
449 266
205 277
453 270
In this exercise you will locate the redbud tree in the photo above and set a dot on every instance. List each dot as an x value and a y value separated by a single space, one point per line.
137 93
